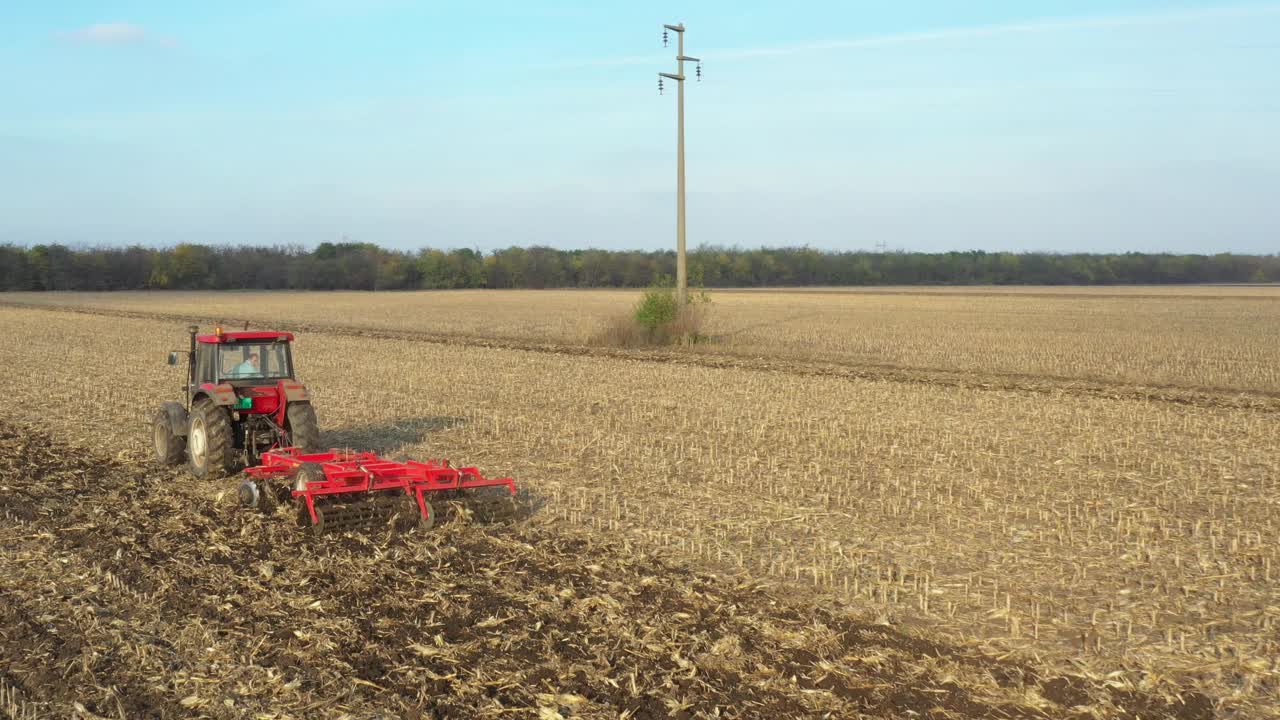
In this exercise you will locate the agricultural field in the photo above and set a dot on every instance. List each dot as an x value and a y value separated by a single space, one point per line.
952 503
1203 337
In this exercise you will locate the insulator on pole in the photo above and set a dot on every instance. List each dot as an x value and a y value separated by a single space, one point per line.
699 71
659 86
664 38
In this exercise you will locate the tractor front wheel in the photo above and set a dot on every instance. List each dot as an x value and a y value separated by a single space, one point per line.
210 450
169 447
304 428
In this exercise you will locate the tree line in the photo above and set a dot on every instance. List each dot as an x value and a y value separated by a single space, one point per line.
362 266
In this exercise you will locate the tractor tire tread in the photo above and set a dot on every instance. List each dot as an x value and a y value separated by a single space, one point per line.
170 448
220 449
304 427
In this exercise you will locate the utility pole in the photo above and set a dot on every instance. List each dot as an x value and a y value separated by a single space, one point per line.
682 270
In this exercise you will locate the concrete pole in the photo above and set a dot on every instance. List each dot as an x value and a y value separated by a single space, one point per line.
682 267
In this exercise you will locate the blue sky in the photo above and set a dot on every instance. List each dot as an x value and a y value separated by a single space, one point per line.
925 125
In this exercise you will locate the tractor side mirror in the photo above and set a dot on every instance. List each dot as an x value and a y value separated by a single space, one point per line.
173 358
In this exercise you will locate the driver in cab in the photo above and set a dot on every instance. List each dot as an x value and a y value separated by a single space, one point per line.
248 368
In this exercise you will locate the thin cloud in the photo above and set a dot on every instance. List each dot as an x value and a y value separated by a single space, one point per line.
962 33
115 33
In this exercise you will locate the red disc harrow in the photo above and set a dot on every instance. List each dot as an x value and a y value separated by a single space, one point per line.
343 489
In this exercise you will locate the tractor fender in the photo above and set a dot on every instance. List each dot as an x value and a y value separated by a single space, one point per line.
177 417
222 394
294 391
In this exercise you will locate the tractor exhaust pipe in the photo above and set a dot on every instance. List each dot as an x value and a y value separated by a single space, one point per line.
191 365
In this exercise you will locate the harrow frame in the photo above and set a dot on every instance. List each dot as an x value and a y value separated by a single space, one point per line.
350 474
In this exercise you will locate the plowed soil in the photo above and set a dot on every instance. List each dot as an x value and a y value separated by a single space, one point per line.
128 594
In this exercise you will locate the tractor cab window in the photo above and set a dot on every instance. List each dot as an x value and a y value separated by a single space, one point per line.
205 370
253 361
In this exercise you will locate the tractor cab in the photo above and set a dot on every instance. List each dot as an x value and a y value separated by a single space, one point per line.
243 358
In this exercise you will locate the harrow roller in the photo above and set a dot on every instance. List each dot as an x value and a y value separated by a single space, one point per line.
490 504
336 515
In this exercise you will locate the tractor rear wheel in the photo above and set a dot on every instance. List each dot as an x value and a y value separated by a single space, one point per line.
169 447
210 450
304 428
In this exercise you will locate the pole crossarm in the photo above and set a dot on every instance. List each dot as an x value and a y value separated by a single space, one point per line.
673 77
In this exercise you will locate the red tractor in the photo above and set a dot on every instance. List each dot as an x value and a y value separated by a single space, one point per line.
242 400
